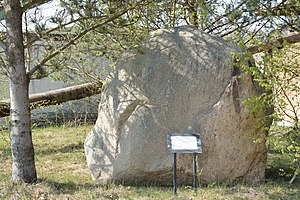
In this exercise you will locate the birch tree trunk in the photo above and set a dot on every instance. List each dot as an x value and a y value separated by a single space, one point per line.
23 166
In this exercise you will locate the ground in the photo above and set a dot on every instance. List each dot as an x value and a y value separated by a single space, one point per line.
63 174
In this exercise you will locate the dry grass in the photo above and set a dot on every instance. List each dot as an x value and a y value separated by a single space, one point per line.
62 174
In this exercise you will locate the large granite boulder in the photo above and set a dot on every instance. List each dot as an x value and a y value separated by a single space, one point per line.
179 81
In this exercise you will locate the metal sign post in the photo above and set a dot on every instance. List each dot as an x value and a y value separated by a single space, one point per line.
195 171
185 143
174 175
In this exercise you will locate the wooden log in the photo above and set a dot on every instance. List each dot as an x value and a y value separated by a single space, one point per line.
58 96
292 39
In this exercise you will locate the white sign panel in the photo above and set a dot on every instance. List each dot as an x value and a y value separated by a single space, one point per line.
184 142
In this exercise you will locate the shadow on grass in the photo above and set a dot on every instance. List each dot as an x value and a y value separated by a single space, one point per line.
279 168
66 149
69 187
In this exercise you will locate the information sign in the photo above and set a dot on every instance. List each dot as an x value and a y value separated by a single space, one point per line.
184 143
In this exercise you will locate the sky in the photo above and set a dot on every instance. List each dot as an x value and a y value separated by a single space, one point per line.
46 10
49 9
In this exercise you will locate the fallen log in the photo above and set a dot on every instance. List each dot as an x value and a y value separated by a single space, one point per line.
292 39
55 97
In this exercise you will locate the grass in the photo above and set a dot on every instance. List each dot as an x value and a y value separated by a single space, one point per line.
62 174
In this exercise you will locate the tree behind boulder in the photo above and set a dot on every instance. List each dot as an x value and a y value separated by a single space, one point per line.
180 80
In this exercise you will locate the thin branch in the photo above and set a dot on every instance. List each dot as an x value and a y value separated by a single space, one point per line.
225 15
72 41
280 10
239 27
48 33
254 34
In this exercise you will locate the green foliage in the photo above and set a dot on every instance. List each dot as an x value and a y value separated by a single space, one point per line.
284 153
277 72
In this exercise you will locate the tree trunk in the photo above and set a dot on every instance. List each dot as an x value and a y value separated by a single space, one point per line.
191 6
23 166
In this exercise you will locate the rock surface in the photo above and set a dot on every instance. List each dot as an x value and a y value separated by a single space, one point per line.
180 81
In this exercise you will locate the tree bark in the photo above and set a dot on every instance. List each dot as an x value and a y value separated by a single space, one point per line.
56 96
23 166
191 6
